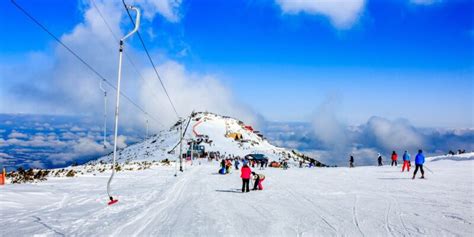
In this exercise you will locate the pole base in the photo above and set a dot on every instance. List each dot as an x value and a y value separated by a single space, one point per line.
112 201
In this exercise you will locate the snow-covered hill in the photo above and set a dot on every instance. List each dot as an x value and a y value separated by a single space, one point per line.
457 157
220 131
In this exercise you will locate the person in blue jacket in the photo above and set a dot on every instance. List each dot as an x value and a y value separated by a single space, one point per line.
236 164
419 161
406 161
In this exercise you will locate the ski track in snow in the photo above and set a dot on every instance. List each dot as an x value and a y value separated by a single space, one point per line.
296 196
387 219
365 201
354 215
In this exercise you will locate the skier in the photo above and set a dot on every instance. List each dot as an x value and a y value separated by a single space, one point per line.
262 165
301 164
236 164
245 175
394 158
419 161
380 159
351 162
406 161
258 181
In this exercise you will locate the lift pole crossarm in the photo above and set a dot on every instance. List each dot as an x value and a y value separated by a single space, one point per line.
137 23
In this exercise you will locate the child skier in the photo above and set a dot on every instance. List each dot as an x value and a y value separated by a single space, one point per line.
406 161
419 161
258 181
380 159
245 175
394 158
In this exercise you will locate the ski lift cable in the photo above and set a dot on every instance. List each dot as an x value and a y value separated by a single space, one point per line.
151 61
80 59
127 56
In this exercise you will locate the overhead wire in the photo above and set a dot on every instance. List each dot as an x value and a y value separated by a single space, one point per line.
129 59
81 60
151 61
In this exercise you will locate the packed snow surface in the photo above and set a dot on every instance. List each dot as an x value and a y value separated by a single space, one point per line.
363 201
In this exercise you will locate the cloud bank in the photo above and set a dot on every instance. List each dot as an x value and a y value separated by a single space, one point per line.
342 14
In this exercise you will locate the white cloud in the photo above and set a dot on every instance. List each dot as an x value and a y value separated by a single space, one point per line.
394 135
190 92
342 14
121 141
16 134
167 8
326 124
3 142
425 2
5 155
68 135
76 129
84 147
36 141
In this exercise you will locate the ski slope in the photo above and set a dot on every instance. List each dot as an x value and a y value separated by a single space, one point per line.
364 201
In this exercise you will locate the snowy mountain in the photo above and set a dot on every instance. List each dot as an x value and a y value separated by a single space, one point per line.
215 133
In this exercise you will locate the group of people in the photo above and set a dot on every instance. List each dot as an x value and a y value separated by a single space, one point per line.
419 161
226 164
246 174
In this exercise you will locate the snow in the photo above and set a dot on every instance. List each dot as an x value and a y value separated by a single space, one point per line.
458 157
363 201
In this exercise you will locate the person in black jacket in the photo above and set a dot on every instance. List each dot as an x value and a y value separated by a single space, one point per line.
380 160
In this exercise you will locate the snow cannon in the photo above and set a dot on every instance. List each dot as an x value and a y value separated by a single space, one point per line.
112 201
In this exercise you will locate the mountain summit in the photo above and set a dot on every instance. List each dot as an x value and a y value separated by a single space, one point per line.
211 134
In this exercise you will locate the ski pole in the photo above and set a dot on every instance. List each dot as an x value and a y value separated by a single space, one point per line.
426 167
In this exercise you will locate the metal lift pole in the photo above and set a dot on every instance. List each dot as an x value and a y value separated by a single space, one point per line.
137 24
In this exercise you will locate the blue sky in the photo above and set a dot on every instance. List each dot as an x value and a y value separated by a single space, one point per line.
395 59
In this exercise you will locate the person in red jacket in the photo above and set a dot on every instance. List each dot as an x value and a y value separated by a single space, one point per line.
394 158
245 173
